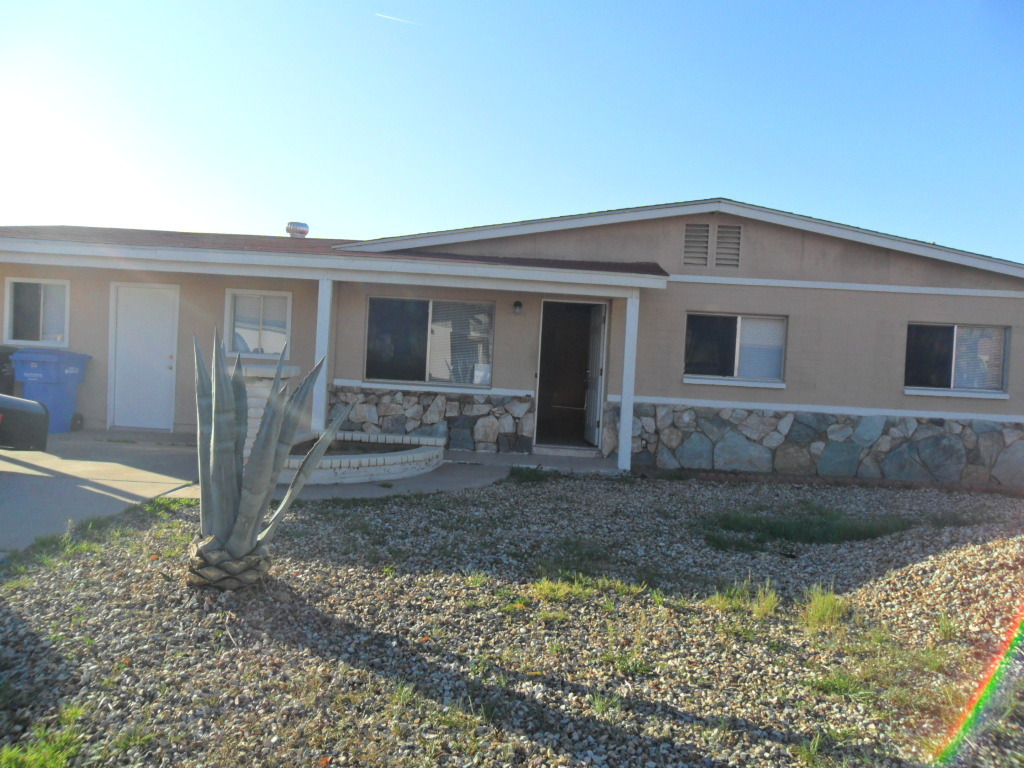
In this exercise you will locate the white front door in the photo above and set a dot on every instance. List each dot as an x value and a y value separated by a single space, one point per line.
595 376
143 355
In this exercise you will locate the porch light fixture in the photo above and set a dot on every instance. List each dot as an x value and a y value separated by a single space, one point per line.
517 307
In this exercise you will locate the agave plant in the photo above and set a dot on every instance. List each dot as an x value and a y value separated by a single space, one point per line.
232 550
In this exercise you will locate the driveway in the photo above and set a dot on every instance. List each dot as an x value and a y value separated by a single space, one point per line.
84 475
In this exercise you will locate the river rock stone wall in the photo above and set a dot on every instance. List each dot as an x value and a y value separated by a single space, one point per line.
468 422
973 452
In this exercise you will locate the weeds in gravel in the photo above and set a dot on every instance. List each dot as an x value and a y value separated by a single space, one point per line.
132 737
53 747
602 704
761 602
807 523
946 627
629 662
553 617
548 591
823 609
477 579
530 475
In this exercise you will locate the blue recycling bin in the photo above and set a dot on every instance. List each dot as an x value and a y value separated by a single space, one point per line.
51 377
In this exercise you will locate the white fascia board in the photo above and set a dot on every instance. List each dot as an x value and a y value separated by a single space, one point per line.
317 267
754 282
745 210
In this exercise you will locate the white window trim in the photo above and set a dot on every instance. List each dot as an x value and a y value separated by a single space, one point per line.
9 310
394 383
734 380
981 394
229 323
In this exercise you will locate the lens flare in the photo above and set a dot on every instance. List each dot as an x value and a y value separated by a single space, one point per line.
988 688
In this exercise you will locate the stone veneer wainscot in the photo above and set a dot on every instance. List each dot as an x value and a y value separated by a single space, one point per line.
927 450
467 421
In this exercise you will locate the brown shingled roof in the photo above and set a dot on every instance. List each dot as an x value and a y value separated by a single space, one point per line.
266 243
163 239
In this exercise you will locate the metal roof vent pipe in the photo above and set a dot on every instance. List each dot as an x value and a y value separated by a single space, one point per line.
297 229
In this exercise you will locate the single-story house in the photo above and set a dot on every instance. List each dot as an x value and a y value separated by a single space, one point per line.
709 334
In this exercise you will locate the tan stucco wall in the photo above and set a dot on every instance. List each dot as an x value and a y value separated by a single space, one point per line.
201 310
844 348
516 337
768 251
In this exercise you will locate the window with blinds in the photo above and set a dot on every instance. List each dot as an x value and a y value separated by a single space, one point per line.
735 346
461 333
965 357
258 322
430 341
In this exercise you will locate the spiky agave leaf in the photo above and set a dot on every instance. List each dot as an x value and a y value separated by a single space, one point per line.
293 410
241 418
310 462
257 476
223 484
204 431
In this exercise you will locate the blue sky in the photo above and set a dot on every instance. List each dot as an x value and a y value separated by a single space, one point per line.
370 118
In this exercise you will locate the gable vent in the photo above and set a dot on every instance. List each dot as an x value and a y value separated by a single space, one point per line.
727 246
695 245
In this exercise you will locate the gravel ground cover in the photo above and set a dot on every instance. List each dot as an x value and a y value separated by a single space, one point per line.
544 621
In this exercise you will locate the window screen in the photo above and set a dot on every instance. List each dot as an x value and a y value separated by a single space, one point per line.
711 345
38 311
396 339
955 356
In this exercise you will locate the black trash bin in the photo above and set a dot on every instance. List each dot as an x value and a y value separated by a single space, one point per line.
6 370
24 424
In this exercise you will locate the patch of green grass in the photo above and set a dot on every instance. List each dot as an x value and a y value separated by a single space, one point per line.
573 557
823 609
133 737
765 602
549 591
518 605
732 598
629 662
530 475
839 682
477 579
553 617
807 523
52 747
947 627
602 704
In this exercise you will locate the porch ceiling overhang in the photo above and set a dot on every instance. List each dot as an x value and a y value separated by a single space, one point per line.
342 267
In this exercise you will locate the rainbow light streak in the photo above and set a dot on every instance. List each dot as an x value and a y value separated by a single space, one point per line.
990 684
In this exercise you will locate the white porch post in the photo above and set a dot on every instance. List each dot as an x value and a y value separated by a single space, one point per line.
628 382
324 312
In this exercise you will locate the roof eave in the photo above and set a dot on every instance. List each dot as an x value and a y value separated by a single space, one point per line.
696 207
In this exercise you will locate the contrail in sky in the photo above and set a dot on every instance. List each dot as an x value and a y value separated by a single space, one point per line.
395 18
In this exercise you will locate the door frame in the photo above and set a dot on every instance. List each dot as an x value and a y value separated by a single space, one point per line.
112 346
602 387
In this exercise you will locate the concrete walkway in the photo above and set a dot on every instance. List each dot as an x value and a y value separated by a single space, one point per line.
84 475
79 478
